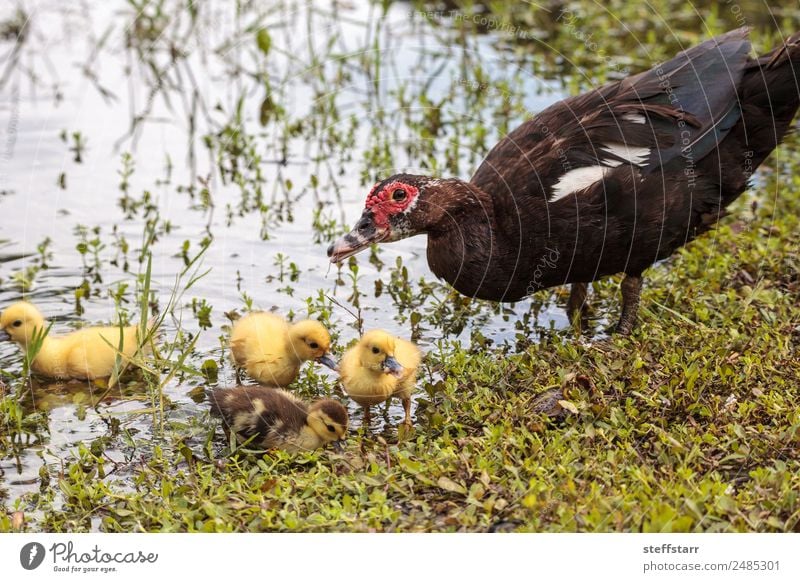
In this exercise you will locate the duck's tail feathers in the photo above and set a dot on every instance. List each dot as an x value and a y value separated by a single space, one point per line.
770 97
789 51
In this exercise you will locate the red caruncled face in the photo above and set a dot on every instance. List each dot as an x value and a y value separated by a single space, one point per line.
392 199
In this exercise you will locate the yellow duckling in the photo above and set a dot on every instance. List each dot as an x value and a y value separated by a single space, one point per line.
86 354
378 367
272 351
272 418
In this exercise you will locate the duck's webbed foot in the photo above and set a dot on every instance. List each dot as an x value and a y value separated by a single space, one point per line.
577 307
631 287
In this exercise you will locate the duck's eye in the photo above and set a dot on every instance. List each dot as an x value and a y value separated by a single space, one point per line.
376 351
17 323
313 345
330 428
399 195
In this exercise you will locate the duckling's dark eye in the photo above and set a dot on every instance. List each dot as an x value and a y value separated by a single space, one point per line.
376 351
399 195
17 323
330 428
313 345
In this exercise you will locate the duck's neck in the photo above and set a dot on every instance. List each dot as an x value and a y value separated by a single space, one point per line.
47 341
463 238
482 243
48 359
307 439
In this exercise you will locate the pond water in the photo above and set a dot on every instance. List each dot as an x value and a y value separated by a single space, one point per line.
227 145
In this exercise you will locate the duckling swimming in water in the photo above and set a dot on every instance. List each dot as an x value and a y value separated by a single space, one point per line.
272 351
86 354
378 367
276 419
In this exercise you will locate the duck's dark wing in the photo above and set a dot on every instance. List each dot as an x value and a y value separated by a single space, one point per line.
639 125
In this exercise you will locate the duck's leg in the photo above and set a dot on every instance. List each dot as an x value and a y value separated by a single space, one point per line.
367 417
631 287
238 372
577 301
407 408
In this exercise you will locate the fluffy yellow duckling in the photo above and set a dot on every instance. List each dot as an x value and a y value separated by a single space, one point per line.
272 351
378 367
80 355
272 418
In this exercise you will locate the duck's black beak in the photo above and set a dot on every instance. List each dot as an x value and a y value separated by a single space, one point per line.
364 233
4 337
328 361
393 367
339 445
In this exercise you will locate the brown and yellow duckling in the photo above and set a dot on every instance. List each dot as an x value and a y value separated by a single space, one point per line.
272 418
86 354
272 351
378 367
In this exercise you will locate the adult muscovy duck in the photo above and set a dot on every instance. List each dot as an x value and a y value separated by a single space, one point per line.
606 182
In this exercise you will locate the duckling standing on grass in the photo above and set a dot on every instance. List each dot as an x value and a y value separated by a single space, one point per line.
272 351
271 418
378 367
86 354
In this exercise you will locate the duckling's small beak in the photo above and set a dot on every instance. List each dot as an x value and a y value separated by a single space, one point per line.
364 233
4 337
393 367
327 360
339 445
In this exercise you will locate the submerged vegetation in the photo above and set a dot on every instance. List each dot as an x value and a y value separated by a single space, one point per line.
217 164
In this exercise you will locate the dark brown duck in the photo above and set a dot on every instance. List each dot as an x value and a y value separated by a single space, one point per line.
606 182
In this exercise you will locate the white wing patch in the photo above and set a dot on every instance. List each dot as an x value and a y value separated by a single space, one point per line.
583 177
631 154
634 118
577 179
